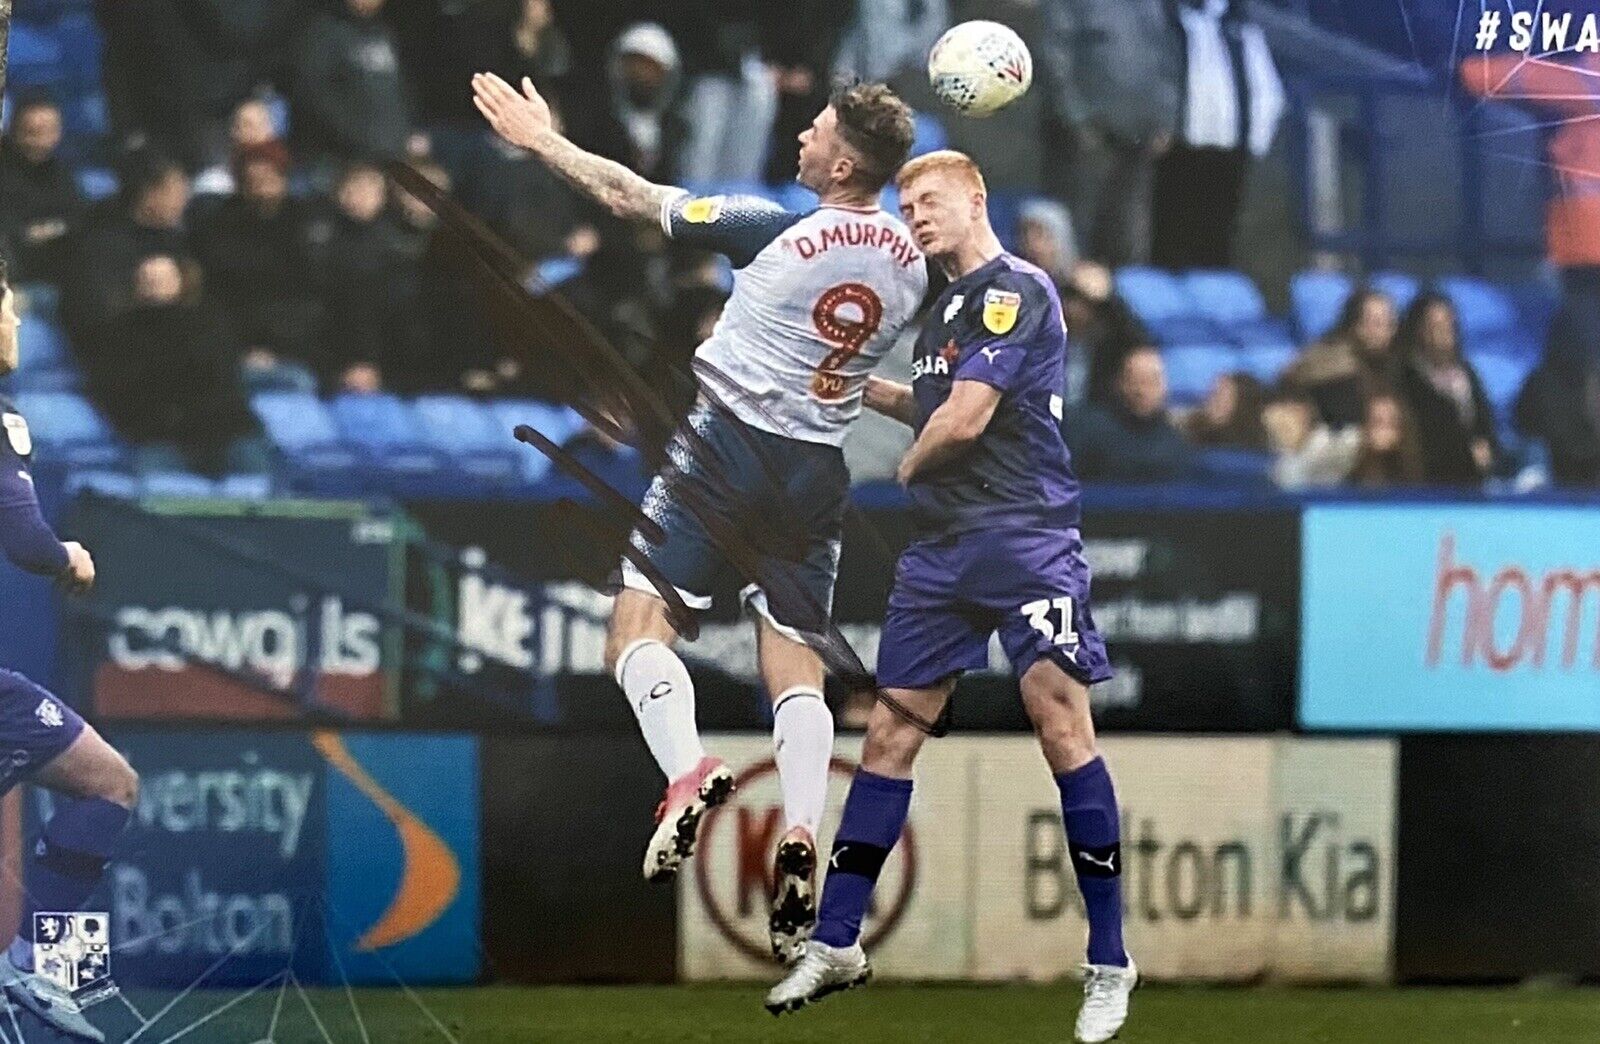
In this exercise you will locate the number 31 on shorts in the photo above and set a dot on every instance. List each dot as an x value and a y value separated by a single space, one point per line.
1040 618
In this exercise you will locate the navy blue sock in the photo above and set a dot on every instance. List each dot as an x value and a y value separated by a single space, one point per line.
1094 840
67 863
874 813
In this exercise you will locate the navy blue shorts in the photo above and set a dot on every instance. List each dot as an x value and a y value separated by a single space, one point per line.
951 594
738 500
35 728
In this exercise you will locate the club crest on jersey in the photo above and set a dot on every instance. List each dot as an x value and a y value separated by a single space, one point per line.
1000 309
17 433
702 211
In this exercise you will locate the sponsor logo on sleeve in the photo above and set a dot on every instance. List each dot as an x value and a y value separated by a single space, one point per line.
17 433
1000 309
703 210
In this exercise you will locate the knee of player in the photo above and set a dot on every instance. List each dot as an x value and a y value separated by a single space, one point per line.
891 749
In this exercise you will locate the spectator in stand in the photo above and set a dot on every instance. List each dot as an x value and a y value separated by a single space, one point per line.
348 98
1102 329
1560 403
1133 439
176 69
1388 455
800 39
1455 422
1110 71
1230 418
1044 237
1351 362
39 199
251 125
537 213
166 375
1561 85
1232 101
365 275
144 220
1310 455
641 126
889 38
252 247
730 99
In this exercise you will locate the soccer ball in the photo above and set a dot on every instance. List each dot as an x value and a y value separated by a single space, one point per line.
978 67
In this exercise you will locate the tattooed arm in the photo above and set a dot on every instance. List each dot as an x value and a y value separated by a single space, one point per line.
524 120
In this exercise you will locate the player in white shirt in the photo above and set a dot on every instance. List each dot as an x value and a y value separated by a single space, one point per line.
818 298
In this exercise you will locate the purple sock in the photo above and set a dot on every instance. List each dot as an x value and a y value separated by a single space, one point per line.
1094 840
67 863
874 812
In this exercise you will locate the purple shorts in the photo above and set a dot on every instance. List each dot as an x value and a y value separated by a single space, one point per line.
35 728
950 594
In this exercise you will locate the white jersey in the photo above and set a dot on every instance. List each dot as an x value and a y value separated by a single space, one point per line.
818 298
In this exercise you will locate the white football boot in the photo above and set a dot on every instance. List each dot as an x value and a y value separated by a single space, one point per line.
1105 1001
45 1001
821 970
687 800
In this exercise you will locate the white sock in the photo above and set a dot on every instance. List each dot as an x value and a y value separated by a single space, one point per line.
662 697
802 741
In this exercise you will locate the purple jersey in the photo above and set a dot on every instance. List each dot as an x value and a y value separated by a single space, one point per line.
25 539
1000 324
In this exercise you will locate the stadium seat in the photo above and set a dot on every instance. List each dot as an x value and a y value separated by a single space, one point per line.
176 484
1398 285
1517 344
55 379
1316 298
1192 368
37 57
97 184
245 487
1226 297
1185 329
67 426
1537 303
1502 378
391 433
1154 295
469 434
1484 308
107 483
42 344
557 423
1266 361
300 425
930 134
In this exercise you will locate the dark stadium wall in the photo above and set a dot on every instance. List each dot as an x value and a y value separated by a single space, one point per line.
565 819
1499 856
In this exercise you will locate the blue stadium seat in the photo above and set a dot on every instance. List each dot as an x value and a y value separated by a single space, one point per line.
42 344
176 484
1155 295
1502 378
1193 368
245 487
1185 329
930 134
1398 285
391 433
557 423
58 379
37 57
1266 361
107 483
1316 298
1537 303
300 425
1227 297
1517 344
1483 307
97 183
468 432
67 426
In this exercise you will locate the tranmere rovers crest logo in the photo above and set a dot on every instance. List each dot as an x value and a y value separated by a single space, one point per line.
73 950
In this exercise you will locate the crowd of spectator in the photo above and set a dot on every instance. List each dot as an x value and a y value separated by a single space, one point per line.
254 242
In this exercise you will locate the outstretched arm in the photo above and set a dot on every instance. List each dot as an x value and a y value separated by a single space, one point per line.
524 120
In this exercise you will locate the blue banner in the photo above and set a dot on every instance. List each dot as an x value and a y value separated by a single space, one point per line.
1451 617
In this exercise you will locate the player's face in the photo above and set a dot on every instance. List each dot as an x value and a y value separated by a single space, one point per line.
820 151
942 209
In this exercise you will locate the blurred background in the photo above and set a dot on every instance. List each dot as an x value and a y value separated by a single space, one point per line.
1333 286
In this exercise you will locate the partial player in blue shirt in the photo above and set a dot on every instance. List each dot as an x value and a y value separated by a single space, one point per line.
996 549
46 741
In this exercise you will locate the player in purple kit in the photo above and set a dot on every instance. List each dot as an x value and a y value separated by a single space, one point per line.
997 548
45 741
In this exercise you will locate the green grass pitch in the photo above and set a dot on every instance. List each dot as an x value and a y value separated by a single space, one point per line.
881 1012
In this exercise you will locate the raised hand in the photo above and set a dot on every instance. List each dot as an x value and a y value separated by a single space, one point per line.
520 119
